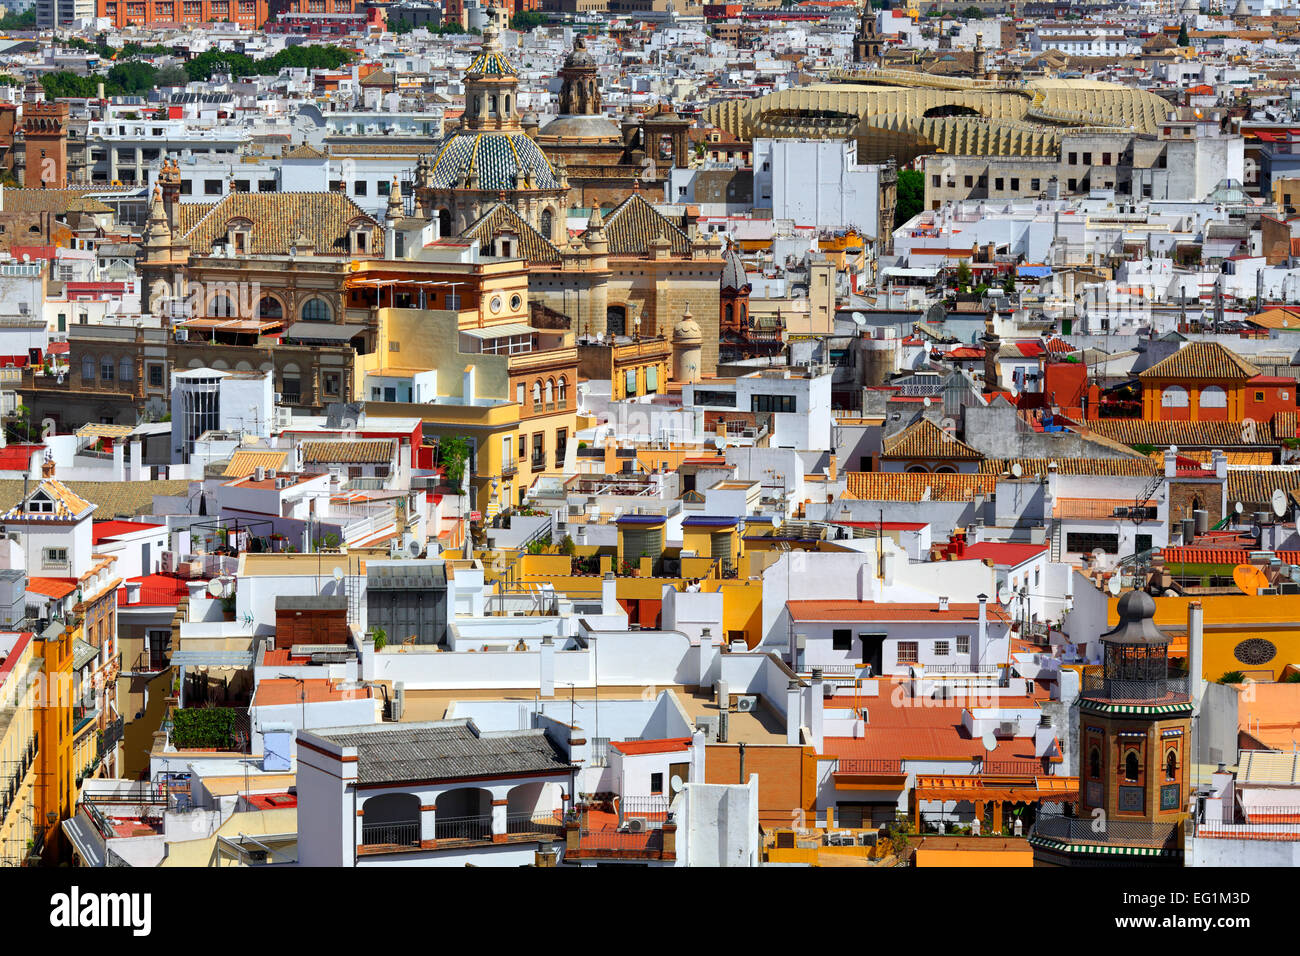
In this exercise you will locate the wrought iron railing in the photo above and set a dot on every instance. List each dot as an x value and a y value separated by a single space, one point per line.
1105 830
390 834
1171 689
524 823
471 828
1280 824
870 765
1017 768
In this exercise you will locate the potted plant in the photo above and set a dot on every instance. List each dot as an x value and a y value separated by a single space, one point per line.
228 607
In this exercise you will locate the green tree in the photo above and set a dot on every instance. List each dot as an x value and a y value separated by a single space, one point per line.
133 78
1009 284
963 275
173 75
526 20
973 13
19 21
1183 38
911 195
453 453
398 26
1232 677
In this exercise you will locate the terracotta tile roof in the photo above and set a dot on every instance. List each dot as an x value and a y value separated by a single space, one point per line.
1280 319
305 151
113 497
894 611
31 202
190 214
1233 458
279 219
245 461
369 452
666 746
1003 552
52 587
1254 487
635 223
66 503
1124 467
922 733
1286 425
925 439
1202 360
1137 431
880 486
503 217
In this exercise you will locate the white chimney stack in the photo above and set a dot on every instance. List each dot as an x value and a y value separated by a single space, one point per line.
1195 649
943 602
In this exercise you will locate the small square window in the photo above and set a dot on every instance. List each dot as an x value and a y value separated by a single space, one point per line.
907 652
656 783
941 648
842 640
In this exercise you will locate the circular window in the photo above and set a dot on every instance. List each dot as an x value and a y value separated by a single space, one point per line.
1255 651
516 303
495 305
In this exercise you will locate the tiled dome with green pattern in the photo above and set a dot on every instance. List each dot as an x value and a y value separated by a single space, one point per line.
500 158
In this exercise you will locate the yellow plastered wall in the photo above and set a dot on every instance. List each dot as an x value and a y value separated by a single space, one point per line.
1230 619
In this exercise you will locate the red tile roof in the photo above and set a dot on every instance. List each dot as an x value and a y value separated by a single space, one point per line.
18 457
923 733
156 590
1234 556
272 801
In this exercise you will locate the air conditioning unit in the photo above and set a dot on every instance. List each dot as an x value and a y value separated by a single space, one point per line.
723 720
182 335
281 483
169 562
1006 728
710 727
636 825
747 704
1029 686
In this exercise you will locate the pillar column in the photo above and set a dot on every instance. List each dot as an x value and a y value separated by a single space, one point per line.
997 816
499 821
428 823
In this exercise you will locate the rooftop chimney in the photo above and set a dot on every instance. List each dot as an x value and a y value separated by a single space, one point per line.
943 602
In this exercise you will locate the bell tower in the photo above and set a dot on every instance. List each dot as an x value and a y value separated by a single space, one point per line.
1134 748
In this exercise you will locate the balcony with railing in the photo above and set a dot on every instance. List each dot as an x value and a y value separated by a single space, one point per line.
1056 827
1276 824
1173 688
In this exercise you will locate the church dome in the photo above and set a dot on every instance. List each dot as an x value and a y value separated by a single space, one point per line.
579 55
579 126
734 278
491 160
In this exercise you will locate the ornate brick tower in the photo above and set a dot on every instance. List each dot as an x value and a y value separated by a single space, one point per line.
1135 741
45 133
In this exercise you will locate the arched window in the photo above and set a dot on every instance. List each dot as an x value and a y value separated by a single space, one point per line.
537 394
550 393
492 105
126 369
1131 767
727 314
506 109
1173 396
564 392
547 223
1171 765
106 368
221 307
444 223
268 307
1094 764
917 470
1214 397
317 310
88 369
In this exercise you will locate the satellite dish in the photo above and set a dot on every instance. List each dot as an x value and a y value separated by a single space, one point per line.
1112 585
676 784
1238 508
1249 579
926 401
338 574
1016 470
412 546
1004 594
1279 502
989 741
215 589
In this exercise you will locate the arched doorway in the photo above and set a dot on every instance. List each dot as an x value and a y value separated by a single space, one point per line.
444 223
